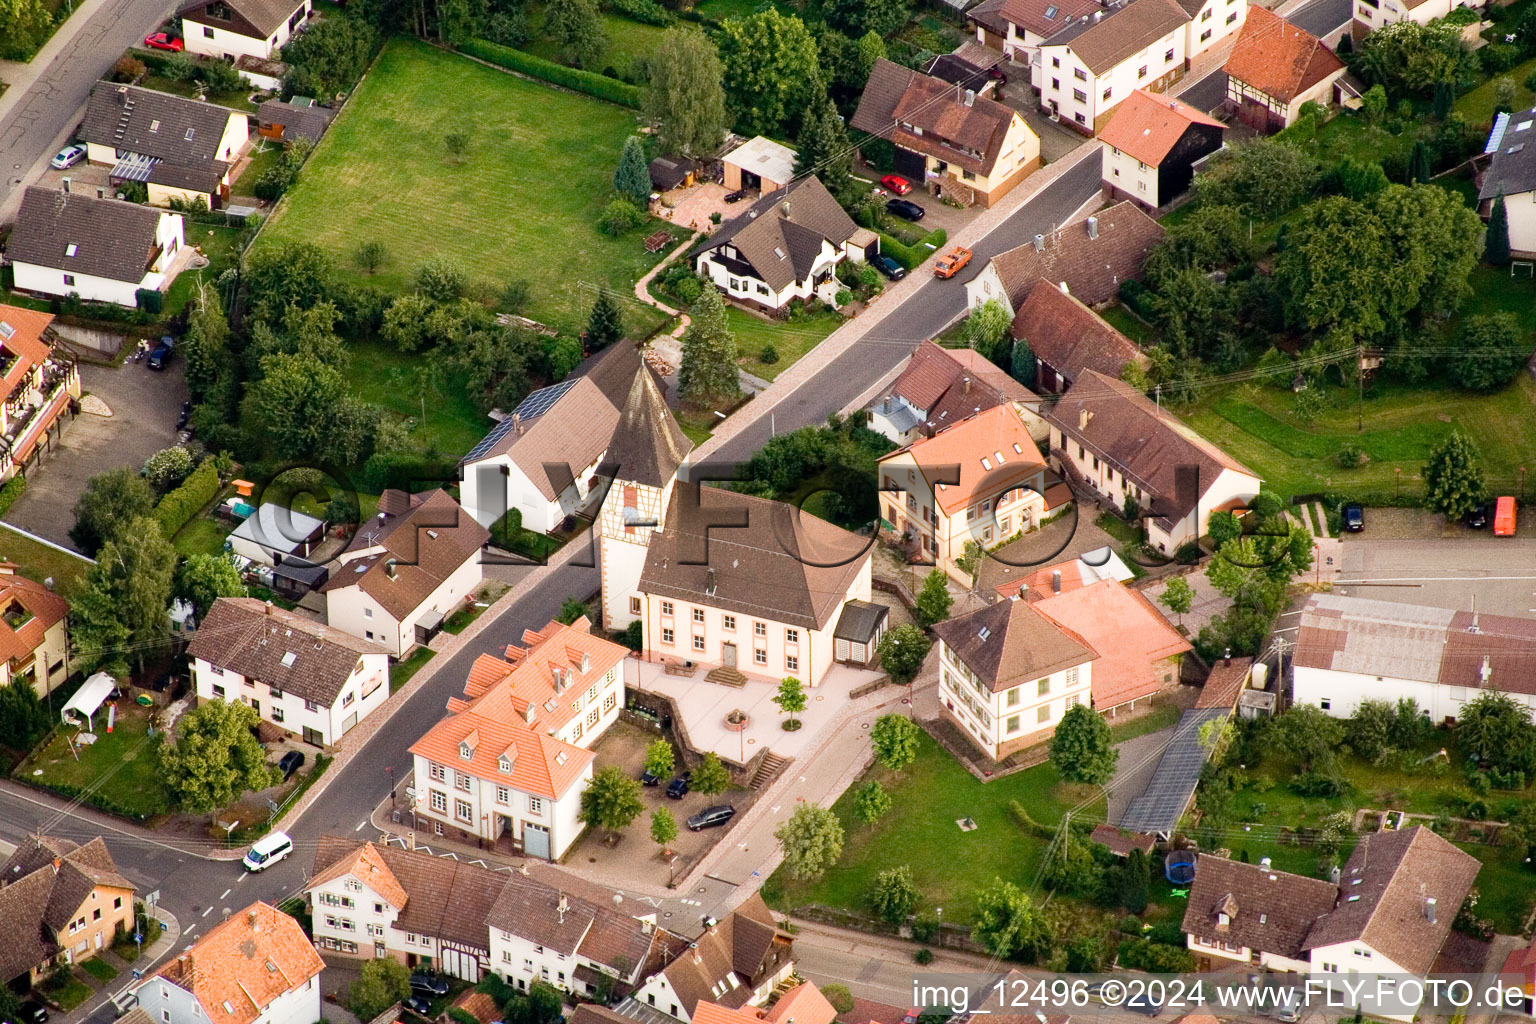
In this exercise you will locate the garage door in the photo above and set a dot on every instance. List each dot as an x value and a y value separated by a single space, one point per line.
910 165
461 964
535 840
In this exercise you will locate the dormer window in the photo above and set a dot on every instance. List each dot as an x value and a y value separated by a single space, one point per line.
466 751
218 11
504 764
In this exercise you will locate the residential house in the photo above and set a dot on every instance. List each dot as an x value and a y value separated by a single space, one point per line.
1087 568
61 903
1277 66
1519 974
231 29
948 140
803 1004
1069 339
511 758
39 383
309 680
747 585
294 119
1090 259
1389 912
942 386
972 65
1111 440
758 164
375 900
1018 27
1512 174
406 570
176 147
1151 145
34 640
980 480
255 967
1373 14
1353 649
549 459
274 534
736 962
103 250
786 246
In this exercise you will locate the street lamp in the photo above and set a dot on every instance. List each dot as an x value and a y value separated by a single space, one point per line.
1397 473
391 770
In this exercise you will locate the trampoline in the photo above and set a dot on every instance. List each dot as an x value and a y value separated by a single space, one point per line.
1179 867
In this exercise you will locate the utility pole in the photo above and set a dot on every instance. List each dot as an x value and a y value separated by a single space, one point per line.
1360 388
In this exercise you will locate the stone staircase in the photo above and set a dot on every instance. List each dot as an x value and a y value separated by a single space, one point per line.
769 770
726 676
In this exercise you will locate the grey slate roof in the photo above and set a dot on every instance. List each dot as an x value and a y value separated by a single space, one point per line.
181 133
244 635
265 16
298 121
1513 170
1010 642
112 239
781 234
859 621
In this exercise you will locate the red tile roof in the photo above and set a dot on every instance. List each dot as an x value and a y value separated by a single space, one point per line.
46 607
1278 58
1071 338
1129 634
368 867
803 1004
244 964
992 450
1148 126
26 344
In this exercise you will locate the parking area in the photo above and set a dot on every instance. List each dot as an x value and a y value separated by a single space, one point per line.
1056 140
141 409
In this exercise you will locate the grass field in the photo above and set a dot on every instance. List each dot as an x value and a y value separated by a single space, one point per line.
452 422
264 153
38 561
222 247
127 753
204 535
628 41
522 204
791 341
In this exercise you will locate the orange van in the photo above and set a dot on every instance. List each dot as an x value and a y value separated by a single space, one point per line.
1504 517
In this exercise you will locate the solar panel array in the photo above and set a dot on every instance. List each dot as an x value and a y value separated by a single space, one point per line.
1160 807
536 404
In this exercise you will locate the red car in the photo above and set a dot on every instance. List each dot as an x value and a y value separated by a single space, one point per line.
901 186
163 41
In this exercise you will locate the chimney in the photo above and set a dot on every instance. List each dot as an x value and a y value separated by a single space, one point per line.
1064 289
1098 16
56 863
101 193
410 840
965 385
389 568
646 925
1039 243
250 918
1486 672
970 97
959 93
709 590
1333 875
122 94
1055 581
1429 908
65 183
522 869
784 209
885 406
517 423
1083 416
565 903
1093 227
1226 656
1264 862
269 607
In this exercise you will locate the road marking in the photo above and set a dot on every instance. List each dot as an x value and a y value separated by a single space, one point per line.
242 877
226 894
207 912
776 808
360 825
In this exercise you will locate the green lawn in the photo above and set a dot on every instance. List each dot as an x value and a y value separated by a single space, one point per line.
1164 716
948 865
790 340
1129 324
237 100
1477 104
264 154
452 423
203 535
719 10
65 989
629 42
99 969
523 204
401 671
122 762
37 561
222 247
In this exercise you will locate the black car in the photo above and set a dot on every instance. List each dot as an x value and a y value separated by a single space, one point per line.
887 266
1354 518
418 1004
647 778
184 415
31 1013
737 196
711 817
426 984
906 209
162 353
291 762
678 787
1476 519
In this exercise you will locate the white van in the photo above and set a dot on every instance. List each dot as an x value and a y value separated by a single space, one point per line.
268 851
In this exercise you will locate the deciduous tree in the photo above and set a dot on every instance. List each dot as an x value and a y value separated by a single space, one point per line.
902 650
380 984
1496 729
812 841
933 600
611 799
711 776
791 700
1081 747
214 757
1261 178
111 499
1453 477
663 829
204 578
893 895
659 758
329 56
303 411
576 28
1007 922
894 738
871 802
685 98
986 328
772 71
1177 597
1491 350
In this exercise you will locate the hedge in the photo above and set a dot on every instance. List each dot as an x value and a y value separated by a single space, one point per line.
912 256
11 491
600 86
178 507
647 12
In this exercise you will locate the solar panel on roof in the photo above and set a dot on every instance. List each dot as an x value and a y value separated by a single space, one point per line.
1160 806
538 403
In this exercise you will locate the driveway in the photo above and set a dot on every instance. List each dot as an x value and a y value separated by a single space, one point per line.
1056 139
1467 569
143 406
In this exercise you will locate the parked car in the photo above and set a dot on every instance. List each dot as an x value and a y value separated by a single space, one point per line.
678 787
163 41
737 196
267 851
31 1012
291 762
428 984
649 778
906 209
418 1004
1477 519
67 157
1504 516
910 1017
952 262
711 817
997 75
162 353
896 183
887 266
1354 518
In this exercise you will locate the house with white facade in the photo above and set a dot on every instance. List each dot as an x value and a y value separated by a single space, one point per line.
1151 145
307 679
736 963
786 246
103 250
231 29
372 901
942 386
1275 68
509 762
1089 67
747 586
1109 439
1512 174
255 967
1389 912
34 636
1018 27
39 385
1374 14
1354 649
949 141
405 570
178 148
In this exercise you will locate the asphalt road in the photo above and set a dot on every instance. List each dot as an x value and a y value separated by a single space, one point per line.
1322 16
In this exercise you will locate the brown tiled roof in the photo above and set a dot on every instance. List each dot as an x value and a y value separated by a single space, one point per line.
782 234
38 900
1130 635
1126 32
298 122
1394 874
243 964
648 443
282 649
1146 444
47 610
1267 910
572 926
1042 18
1278 58
1148 127
1121 842
423 547
566 438
746 942
262 16
1010 642
969 136
25 941
934 380
1225 683
1070 337
1092 268
779 564
112 239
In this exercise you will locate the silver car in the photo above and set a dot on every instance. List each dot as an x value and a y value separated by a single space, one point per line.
67 157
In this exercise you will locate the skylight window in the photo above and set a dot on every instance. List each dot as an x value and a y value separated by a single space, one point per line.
1523 125
778 252
189 133
154 125
71 249
562 757
983 633
1016 449
289 659
999 457
7 331
986 463
1051 12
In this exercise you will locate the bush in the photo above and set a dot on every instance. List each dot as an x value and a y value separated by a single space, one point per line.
768 356
178 507
912 256
168 467
599 86
689 289
127 69
620 216
11 491
1499 57
923 957
647 12
1351 456
462 1016
150 300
